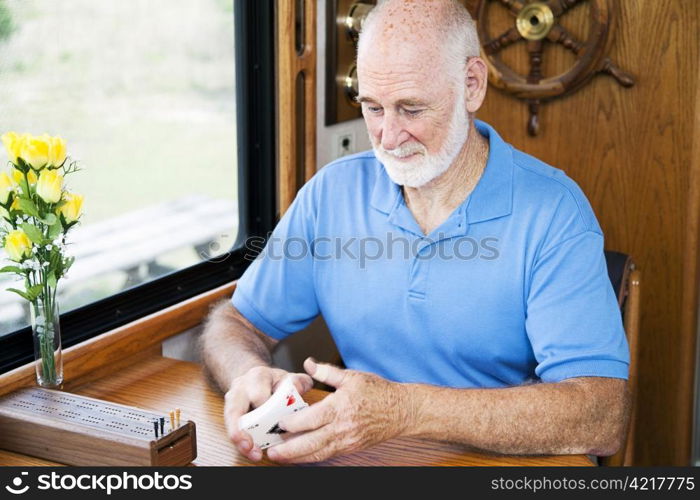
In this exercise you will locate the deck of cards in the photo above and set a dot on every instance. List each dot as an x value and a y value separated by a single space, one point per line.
263 422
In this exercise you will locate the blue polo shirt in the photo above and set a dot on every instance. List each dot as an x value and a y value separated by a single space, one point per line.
511 288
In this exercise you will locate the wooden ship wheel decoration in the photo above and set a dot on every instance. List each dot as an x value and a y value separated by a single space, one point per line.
537 22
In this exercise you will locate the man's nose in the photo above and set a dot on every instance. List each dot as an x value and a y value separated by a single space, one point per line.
393 133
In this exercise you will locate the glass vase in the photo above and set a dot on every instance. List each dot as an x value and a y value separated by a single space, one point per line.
46 331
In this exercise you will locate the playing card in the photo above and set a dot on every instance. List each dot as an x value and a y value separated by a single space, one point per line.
262 422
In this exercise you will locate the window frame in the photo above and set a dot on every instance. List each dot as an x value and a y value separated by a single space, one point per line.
256 139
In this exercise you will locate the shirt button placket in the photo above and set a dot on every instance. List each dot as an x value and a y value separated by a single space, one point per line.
419 269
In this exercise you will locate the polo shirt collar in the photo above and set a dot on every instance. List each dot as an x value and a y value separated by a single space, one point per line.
385 194
493 195
491 198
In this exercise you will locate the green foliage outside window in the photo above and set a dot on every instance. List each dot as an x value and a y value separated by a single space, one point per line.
6 24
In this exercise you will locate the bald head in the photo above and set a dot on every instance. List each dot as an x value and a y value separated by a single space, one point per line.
424 32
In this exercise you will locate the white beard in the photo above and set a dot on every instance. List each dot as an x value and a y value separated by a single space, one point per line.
424 167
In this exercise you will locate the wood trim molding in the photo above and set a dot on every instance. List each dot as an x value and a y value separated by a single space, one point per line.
296 143
125 343
690 300
632 315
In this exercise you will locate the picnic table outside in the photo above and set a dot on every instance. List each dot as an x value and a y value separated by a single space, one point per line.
132 243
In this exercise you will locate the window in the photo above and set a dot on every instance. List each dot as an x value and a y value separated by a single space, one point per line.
169 107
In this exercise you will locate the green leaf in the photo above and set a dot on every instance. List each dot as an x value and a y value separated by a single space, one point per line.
55 257
28 207
69 262
56 264
55 230
33 232
50 219
21 294
34 291
12 269
51 280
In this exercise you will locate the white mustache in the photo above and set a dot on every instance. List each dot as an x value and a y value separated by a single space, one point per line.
404 151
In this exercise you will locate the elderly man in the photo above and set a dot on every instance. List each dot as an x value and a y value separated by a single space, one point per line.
488 319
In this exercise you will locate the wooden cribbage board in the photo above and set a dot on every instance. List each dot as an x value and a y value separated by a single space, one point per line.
77 430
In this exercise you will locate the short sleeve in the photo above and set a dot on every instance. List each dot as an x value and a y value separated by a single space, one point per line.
276 293
573 319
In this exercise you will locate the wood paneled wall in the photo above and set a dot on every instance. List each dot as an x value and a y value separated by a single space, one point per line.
636 154
296 96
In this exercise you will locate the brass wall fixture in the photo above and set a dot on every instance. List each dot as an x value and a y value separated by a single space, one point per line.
536 23
350 85
355 17
344 20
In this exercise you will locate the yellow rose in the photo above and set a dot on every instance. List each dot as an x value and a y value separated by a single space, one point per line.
35 150
49 186
57 151
18 176
6 186
72 210
13 144
18 245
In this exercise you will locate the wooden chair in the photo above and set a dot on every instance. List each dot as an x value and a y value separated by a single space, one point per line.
625 279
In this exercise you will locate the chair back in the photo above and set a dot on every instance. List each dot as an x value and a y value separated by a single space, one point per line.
625 279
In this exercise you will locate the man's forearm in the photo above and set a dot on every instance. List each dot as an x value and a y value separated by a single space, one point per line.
583 415
231 346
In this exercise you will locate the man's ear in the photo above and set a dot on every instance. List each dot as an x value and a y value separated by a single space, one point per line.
477 79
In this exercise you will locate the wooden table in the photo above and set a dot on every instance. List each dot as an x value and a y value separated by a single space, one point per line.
162 384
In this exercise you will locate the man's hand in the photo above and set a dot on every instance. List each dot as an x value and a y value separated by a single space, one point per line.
251 390
364 410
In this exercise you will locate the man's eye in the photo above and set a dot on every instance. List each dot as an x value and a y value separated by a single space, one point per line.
413 112
374 109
